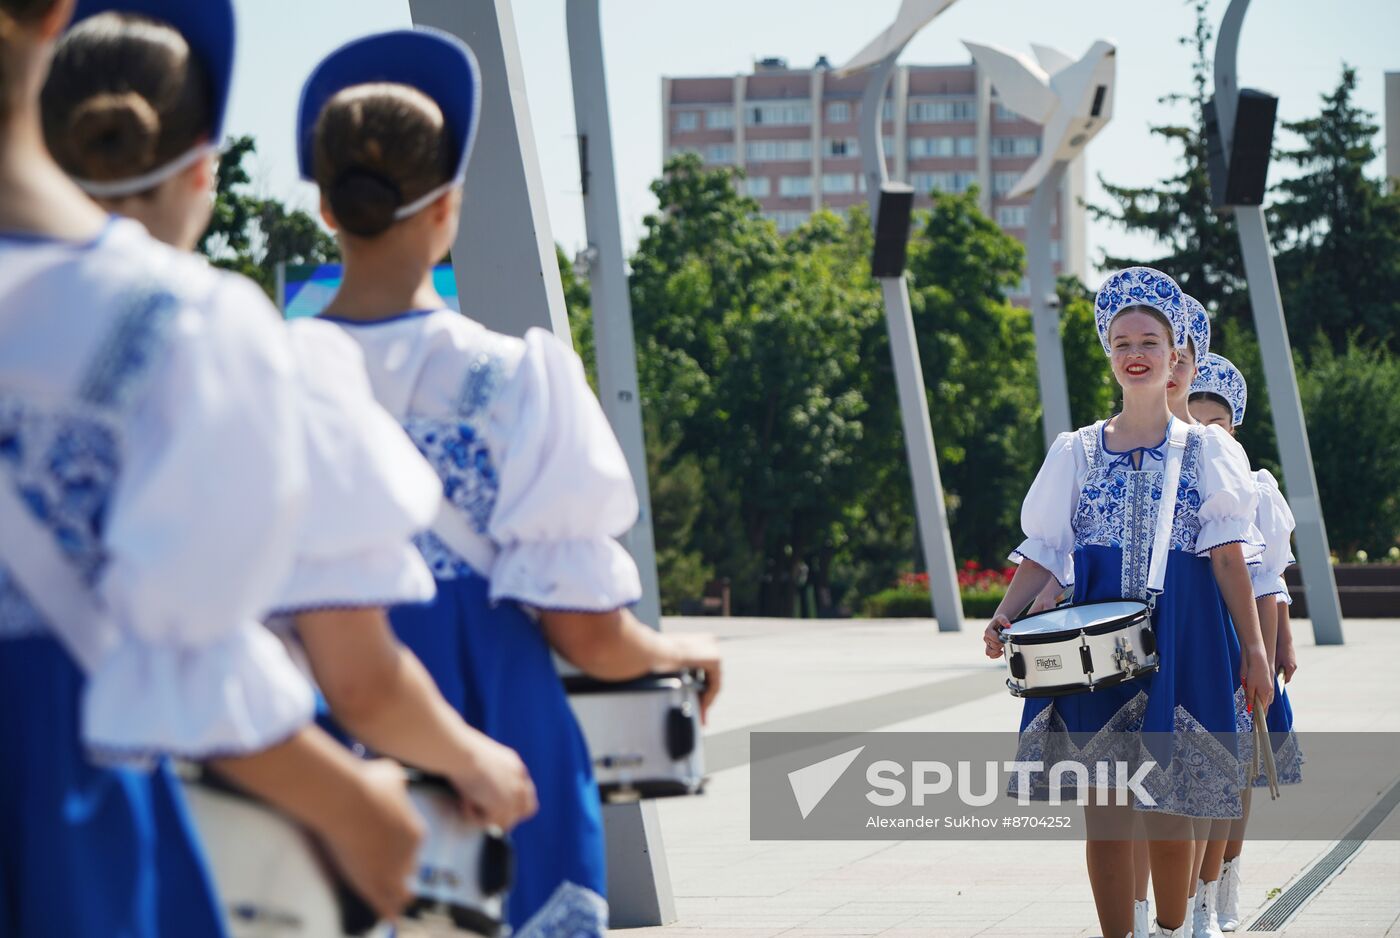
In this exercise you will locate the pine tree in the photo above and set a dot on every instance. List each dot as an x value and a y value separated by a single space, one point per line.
1337 230
1200 248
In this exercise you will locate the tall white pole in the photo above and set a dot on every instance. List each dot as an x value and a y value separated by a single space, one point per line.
1324 608
503 256
607 281
639 880
929 508
1045 312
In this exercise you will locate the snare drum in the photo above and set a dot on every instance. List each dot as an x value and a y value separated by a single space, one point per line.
643 735
1079 647
274 882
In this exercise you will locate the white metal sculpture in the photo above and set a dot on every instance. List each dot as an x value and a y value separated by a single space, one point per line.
1072 101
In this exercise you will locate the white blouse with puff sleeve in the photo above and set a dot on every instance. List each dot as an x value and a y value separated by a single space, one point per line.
524 452
1275 523
1229 496
1047 514
370 490
151 402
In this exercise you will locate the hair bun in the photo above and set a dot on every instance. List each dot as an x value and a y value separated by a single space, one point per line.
364 202
113 134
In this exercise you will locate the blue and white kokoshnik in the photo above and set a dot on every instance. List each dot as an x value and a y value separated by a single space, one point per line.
1217 375
1140 286
1197 328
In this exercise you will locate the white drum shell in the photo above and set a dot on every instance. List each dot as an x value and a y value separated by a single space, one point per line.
1056 665
270 880
450 860
626 730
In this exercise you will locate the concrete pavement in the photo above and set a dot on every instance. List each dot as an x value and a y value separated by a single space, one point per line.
838 675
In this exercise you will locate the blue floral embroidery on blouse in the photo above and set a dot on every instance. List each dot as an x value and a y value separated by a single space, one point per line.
1118 505
463 462
459 453
64 465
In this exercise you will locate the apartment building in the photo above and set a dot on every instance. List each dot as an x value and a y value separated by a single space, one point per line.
795 135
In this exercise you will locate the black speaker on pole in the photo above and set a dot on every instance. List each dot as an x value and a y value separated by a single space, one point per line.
1240 176
891 230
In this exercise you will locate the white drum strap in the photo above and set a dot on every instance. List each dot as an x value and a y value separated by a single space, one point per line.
456 532
50 582
1166 510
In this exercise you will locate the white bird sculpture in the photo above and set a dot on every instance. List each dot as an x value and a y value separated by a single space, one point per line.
913 16
1071 100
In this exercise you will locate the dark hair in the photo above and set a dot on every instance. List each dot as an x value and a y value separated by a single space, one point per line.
124 95
1213 398
378 147
12 14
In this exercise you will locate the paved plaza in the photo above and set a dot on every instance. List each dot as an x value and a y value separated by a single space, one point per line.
848 675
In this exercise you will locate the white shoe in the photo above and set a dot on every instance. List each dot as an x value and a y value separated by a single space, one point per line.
1183 932
1227 899
1142 918
1204 923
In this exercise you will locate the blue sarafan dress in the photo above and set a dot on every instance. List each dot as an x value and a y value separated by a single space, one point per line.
1275 522
149 421
1090 518
538 486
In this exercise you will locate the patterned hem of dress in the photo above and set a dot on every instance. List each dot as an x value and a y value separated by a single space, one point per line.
573 911
1288 757
1288 760
1201 777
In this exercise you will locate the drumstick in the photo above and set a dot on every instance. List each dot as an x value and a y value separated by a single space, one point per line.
1263 748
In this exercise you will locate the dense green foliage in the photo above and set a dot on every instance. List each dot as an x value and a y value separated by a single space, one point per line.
251 233
775 449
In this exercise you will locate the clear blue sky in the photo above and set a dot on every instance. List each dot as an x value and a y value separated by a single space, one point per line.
1292 48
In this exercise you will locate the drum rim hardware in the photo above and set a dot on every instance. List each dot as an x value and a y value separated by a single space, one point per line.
1142 616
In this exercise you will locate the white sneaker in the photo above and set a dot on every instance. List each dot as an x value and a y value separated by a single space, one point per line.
1227 899
1204 923
1142 918
1183 932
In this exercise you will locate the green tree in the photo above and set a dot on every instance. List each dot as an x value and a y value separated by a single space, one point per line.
1354 427
750 355
979 368
1092 390
1198 247
251 234
1338 230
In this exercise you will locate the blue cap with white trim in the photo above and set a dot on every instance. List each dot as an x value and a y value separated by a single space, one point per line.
208 28
438 64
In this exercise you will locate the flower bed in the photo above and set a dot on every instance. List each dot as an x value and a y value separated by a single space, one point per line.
981 588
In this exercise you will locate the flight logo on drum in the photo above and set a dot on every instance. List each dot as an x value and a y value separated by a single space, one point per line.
1049 663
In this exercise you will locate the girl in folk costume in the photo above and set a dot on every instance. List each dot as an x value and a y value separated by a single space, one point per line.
1218 398
371 489
1197 323
1089 520
152 483
525 555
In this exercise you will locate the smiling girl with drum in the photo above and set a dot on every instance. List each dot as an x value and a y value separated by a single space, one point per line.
1090 521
